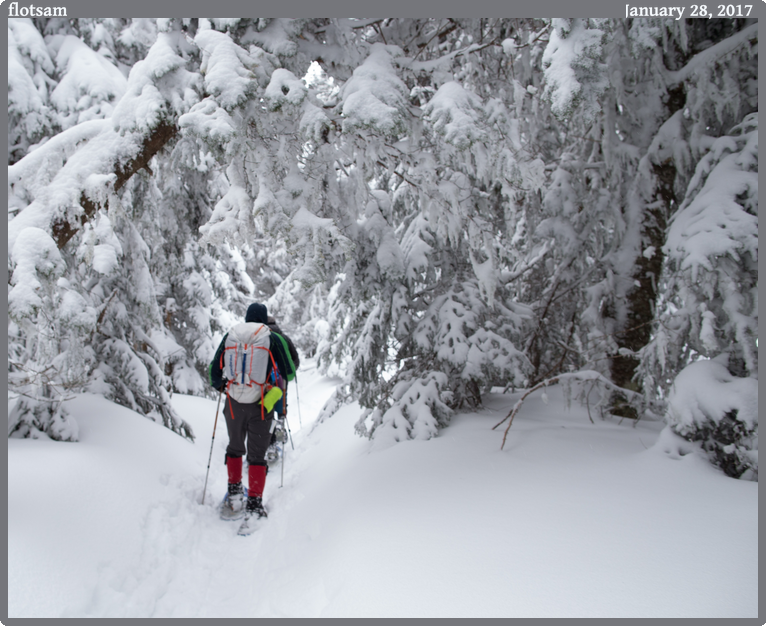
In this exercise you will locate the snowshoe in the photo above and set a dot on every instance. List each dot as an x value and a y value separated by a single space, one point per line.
280 432
273 454
278 439
254 512
233 506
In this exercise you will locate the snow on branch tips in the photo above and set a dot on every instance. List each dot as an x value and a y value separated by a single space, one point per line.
209 121
456 113
375 97
321 241
36 256
91 84
232 74
284 88
574 73
722 218
159 88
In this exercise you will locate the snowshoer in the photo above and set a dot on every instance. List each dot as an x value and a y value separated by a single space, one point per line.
294 358
248 410
279 434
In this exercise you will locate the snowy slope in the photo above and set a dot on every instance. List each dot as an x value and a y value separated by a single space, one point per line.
572 519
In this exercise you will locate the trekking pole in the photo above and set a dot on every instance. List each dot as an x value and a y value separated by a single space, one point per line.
282 480
220 393
289 432
287 424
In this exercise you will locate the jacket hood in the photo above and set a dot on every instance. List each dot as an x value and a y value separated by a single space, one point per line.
257 312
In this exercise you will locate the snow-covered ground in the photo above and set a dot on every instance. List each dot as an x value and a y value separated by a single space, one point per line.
571 519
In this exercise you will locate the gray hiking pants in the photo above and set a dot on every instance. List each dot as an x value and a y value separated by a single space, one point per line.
248 432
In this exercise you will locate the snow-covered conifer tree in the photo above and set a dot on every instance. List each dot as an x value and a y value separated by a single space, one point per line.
90 322
710 306
446 205
635 168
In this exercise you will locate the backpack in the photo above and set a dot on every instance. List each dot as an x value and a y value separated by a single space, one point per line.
290 366
245 362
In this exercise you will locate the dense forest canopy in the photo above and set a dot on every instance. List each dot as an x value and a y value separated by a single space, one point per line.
431 208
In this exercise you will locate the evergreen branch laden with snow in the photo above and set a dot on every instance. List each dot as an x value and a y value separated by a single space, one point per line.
431 207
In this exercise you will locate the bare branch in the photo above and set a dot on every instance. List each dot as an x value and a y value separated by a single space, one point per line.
518 404
379 162
582 376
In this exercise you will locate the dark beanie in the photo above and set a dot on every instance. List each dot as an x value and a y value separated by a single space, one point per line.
257 313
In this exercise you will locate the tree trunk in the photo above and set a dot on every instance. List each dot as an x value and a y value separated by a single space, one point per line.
642 298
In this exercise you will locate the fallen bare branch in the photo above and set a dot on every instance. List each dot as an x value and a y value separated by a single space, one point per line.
518 404
583 376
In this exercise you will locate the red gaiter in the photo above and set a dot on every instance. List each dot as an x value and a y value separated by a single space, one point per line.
257 480
234 465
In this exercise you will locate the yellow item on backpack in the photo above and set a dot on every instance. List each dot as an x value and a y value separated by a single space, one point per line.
272 396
